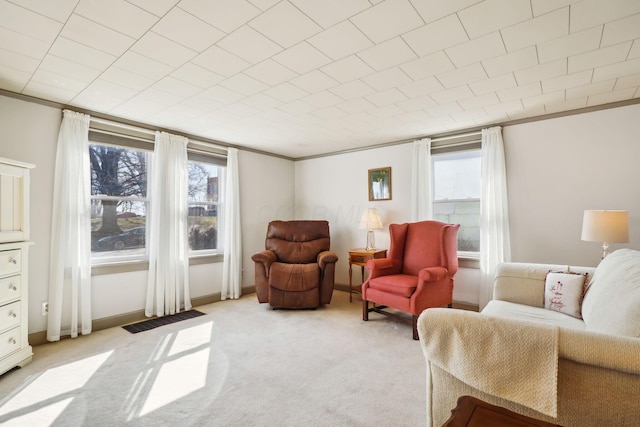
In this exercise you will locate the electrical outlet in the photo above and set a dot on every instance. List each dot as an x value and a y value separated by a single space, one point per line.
45 308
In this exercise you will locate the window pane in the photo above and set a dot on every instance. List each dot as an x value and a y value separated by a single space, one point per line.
118 228
457 175
204 199
118 171
456 181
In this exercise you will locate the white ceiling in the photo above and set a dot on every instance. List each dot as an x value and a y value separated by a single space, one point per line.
305 77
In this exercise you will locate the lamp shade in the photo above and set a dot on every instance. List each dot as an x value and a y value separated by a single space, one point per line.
605 226
370 220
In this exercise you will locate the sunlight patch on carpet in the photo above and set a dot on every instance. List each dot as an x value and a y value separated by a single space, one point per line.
146 325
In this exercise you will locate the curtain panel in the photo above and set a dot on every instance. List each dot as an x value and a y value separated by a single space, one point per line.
232 238
495 241
421 186
168 281
70 261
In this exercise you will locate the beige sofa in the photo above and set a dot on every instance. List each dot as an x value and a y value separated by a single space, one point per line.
537 361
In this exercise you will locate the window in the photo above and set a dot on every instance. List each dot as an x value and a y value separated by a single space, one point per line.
205 203
456 184
119 202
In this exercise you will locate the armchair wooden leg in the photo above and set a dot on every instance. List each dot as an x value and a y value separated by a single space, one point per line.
365 310
415 327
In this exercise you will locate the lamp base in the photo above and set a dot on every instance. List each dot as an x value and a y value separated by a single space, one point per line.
371 241
605 250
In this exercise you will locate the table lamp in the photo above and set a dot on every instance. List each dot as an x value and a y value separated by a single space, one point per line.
606 227
370 221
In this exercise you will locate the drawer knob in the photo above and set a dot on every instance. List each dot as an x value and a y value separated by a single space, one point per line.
13 261
12 287
12 341
13 314
360 259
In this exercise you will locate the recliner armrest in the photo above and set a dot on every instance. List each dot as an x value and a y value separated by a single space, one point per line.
327 257
265 257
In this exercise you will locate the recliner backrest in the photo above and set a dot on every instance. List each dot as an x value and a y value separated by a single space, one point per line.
298 242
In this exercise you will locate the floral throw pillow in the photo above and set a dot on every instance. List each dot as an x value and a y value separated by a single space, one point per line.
563 292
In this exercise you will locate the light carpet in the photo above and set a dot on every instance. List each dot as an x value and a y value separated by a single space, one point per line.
241 364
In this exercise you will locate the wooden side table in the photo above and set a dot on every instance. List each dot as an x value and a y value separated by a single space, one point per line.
360 256
475 412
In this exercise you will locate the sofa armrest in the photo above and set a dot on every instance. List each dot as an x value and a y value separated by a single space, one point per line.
522 283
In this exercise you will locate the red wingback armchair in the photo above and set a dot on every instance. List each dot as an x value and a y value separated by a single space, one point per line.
418 272
296 269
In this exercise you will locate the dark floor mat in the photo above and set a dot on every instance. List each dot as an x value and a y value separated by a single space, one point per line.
145 325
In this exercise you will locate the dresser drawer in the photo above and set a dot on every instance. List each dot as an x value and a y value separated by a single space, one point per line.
10 341
10 262
9 289
9 315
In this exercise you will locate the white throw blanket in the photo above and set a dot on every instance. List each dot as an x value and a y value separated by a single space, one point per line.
470 346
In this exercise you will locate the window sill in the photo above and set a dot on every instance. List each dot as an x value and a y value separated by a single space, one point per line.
129 266
469 260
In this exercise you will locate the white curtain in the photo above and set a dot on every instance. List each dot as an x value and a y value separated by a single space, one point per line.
232 243
168 282
495 246
70 261
421 187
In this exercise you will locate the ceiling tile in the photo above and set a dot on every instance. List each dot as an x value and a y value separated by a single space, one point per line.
607 98
432 10
628 81
635 50
327 13
444 109
200 36
387 20
301 58
285 25
52 93
126 78
616 70
105 95
29 23
142 65
157 7
517 60
386 97
598 58
540 7
387 54
227 15
22 44
537 30
323 99
352 90
492 15
416 103
561 104
427 66
94 35
572 44
387 79
493 84
356 105
81 54
261 101
17 61
565 82
69 69
270 72
451 95
542 71
341 40
469 74
297 107
421 87
163 50
118 15
197 75
176 87
223 95
476 50
59 10
589 13
436 36
347 69
249 45
264 4
479 101
592 89
621 30
286 92
313 82
532 89
244 84
220 61
505 107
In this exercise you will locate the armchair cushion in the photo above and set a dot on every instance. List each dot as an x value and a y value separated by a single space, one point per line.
397 284
294 277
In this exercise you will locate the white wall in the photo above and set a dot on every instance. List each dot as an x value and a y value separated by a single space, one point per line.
29 133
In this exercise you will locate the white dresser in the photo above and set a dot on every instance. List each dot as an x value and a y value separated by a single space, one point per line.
14 248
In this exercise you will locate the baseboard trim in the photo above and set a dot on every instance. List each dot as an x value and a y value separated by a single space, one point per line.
39 338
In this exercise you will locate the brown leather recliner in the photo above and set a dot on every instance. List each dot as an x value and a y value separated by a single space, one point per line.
297 269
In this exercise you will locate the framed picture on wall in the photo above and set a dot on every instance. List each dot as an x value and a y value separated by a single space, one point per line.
380 184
